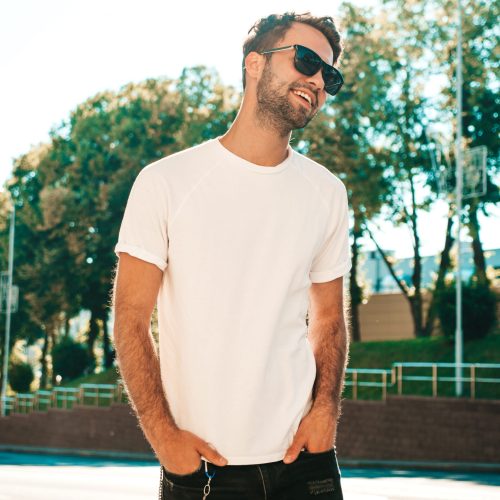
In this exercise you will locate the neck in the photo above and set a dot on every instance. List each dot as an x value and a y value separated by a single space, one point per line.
250 140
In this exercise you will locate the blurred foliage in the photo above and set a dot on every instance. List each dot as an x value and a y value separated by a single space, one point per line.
70 359
20 376
479 308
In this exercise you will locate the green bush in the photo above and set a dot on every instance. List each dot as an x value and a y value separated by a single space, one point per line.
478 310
70 359
20 376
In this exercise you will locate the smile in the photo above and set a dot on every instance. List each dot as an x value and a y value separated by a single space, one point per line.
304 98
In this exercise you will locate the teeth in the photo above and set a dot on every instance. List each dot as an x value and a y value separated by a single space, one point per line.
298 92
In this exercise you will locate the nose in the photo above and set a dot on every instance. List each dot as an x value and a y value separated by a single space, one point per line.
317 80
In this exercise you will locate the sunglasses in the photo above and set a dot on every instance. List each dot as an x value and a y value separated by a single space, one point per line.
309 63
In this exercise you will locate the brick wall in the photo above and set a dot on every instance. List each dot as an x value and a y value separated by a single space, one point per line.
420 429
402 428
113 428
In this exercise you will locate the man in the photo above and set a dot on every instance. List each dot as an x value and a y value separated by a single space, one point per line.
236 239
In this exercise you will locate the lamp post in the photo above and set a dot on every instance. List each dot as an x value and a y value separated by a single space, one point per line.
459 183
7 313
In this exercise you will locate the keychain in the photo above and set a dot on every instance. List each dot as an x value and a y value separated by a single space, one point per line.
206 489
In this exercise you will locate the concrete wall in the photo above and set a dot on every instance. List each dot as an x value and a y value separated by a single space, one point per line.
387 316
403 428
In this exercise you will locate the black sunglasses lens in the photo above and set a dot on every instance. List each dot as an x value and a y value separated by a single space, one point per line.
309 63
333 88
332 80
306 61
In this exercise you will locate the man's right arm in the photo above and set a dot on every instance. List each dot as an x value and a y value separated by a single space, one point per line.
136 287
135 290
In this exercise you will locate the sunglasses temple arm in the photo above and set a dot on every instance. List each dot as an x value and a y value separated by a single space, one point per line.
280 49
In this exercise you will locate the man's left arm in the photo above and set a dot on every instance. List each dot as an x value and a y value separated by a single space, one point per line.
330 343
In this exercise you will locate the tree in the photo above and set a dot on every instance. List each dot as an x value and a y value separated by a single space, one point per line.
480 96
409 27
479 309
70 359
70 196
343 136
20 376
37 272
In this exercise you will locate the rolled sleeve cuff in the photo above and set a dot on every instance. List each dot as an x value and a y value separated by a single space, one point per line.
140 253
323 276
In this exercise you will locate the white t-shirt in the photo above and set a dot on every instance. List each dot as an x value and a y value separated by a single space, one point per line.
239 245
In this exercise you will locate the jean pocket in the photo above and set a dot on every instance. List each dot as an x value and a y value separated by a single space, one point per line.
167 473
306 452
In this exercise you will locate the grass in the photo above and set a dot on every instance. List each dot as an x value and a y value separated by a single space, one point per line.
382 354
109 376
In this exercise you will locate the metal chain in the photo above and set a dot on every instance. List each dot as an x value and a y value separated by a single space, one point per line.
160 495
206 489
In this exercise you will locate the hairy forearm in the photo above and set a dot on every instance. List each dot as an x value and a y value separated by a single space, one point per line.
330 344
140 370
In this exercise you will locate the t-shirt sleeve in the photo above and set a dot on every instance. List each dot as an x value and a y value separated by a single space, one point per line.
143 230
334 257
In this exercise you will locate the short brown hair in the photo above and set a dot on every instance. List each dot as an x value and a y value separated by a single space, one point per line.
268 30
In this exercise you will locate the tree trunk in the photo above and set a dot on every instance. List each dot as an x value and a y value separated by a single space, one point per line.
444 266
477 247
109 352
43 360
415 302
92 335
52 336
66 325
355 290
416 298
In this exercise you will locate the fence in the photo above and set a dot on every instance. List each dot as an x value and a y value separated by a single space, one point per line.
371 383
356 383
66 397
401 377
477 374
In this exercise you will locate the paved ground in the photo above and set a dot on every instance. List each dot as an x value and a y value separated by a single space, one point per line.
48 477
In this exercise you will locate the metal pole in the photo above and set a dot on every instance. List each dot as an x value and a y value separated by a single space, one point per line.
434 380
473 381
7 315
458 279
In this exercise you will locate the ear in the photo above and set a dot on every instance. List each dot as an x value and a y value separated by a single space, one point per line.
254 64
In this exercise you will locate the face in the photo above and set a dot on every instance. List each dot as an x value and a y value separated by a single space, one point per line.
278 106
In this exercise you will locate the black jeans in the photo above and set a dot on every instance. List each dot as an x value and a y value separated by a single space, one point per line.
311 475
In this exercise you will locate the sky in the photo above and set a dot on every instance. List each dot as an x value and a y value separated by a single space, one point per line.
55 54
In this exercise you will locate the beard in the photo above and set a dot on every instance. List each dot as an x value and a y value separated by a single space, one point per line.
274 109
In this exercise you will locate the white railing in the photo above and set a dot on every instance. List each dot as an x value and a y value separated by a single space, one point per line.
357 381
65 398
473 370
388 380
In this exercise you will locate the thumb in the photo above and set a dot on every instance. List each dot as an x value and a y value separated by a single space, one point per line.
293 450
210 453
